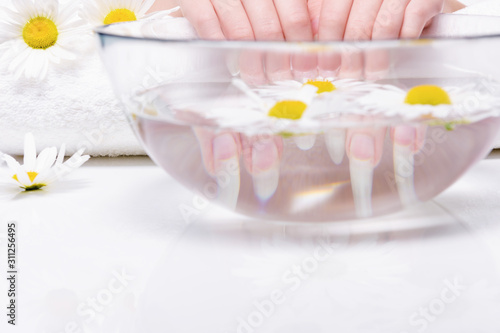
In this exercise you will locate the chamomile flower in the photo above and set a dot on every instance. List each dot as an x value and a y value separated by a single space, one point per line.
37 33
325 87
103 12
430 102
253 108
38 172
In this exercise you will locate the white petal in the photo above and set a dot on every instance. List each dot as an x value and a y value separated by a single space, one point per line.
12 164
8 31
46 159
60 156
146 5
24 179
18 60
38 59
29 152
45 68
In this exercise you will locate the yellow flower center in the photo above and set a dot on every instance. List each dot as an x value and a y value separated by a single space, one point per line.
120 15
323 86
288 110
427 95
32 175
40 33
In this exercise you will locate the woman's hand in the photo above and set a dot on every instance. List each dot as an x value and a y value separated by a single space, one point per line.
304 20
374 19
249 19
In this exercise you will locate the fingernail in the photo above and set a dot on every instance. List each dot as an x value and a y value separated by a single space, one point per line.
405 135
335 144
315 26
361 182
305 142
228 183
224 147
362 147
404 173
232 62
265 169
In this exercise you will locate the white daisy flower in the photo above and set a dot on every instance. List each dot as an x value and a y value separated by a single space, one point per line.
103 12
324 86
465 103
38 172
292 105
37 33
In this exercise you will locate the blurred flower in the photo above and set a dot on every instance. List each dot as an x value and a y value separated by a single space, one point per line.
36 33
38 172
99 12
324 86
468 102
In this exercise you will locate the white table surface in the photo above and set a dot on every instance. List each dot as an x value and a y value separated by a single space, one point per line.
434 268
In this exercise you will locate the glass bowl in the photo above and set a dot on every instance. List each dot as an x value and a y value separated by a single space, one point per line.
309 131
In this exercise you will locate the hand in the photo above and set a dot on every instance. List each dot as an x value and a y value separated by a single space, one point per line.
373 19
249 19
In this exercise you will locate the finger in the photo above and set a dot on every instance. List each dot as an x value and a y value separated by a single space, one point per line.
407 141
329 63
216 148
262 155
361 19
387 26
359 27
390 19
364 149
296 25
295 20
233 20
278 66
412 136
305 66
263 19
333 19
266 26
314 7
202 16
252 68
366 144
352 62
418 13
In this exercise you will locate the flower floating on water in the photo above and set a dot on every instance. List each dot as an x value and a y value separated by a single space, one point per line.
38 172
326 87
427 95
99 12
430 102
37 33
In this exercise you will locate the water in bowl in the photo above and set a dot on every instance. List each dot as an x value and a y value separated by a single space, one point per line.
311 176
